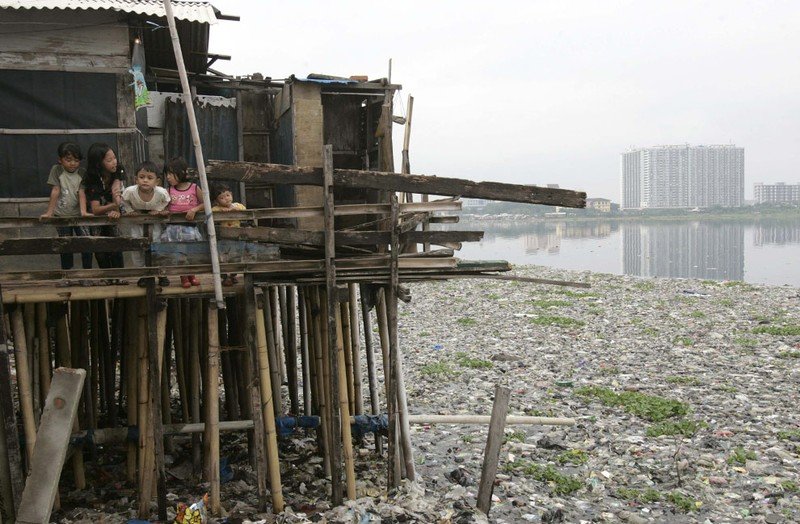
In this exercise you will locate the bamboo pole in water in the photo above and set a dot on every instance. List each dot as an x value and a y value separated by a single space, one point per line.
268 413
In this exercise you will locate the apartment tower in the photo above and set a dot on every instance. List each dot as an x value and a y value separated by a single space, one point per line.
682 176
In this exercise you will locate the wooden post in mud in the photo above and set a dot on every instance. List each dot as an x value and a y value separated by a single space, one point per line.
211 435
318 367
192 325
129 354
344 320
492 451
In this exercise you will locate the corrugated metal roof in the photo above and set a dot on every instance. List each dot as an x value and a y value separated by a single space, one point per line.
202 12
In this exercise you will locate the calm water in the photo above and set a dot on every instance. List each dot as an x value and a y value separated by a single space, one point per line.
765 251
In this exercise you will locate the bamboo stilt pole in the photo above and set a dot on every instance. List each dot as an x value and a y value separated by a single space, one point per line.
198 152
256 437
277 331
212 412
178 341
24 381
29 317
347 439
402 405
331 393
94 359
290 324
146 447
344 319
319 379
268 413
44 349
303 321
114 355
356 347
274 354
130 353
193 326
372 377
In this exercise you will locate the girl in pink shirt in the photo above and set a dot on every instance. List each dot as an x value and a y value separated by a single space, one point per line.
185 197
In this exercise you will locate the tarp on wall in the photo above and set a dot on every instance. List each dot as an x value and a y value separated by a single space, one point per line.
49 100
216 125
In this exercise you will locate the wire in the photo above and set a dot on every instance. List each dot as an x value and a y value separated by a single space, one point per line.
54 29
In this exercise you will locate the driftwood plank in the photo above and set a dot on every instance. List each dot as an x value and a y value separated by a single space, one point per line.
281 174
491 453
45 246
52 441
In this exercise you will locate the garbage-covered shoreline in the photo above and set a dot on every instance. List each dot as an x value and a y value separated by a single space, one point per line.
685 394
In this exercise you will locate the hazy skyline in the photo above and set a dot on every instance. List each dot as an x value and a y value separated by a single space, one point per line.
549 92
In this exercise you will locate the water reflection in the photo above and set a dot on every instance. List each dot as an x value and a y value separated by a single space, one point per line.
776 232
759 250
710 250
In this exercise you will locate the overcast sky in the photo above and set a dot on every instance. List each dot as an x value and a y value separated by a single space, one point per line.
550 91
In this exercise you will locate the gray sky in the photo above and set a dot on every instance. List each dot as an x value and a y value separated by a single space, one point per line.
549 91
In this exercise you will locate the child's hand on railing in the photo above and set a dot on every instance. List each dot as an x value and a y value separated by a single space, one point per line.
48 214
85 214
113 214
190 215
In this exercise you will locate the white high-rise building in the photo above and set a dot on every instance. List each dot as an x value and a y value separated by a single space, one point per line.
682 176
780 193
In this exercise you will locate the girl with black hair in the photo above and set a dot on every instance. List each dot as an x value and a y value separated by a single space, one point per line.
104 181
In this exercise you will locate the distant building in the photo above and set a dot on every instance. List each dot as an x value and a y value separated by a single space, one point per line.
682 176
780 193
473 203
599 204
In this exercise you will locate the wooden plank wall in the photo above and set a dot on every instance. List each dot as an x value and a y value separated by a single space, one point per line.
63 40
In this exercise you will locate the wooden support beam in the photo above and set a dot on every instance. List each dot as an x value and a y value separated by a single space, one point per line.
281 235
432 185
61 408
249 214
46 246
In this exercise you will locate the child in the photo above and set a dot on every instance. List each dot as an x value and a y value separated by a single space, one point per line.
185 197
68 199
104 178
223 200
146 196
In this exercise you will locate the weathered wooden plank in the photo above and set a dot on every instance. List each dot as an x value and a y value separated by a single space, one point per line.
52 442
281 174
491 453
45 246
352 238
229 251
